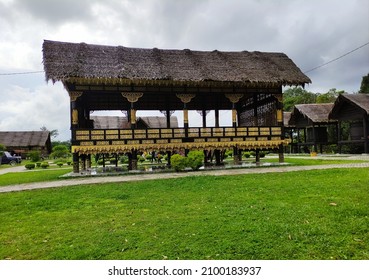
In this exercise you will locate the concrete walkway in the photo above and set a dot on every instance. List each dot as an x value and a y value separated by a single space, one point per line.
153 176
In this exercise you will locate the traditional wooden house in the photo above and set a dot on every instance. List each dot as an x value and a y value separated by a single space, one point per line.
130 79
22 142
352 113
312 127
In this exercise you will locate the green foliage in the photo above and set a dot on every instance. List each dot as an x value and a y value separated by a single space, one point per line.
69 162
195 159
30 166
2 147
364 87
140 158
329 97
297 95
34 156
247 154
123 159
44 165
178 162
38 164
60 151
59 163
113 161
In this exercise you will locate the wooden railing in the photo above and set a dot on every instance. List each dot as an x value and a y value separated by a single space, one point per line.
175 135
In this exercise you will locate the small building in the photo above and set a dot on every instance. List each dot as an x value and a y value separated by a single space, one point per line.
22 142
312 127
113 122
249 84
352 113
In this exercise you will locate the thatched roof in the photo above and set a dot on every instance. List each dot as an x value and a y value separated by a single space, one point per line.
114 65
286 119
315 113
114 122
360 101
26 139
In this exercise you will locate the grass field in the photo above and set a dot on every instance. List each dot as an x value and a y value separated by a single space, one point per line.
297 215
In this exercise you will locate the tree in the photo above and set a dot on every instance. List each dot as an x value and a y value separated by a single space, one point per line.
364 88
53 133
60 151
2 147
297 95
329 97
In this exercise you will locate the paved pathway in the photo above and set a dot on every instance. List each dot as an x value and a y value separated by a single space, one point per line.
153 176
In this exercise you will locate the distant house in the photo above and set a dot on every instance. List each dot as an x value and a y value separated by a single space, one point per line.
21 142
352 112
114 122
313 127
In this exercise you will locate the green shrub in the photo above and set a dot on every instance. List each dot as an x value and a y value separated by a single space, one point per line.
44 165
123 159
30 166
247 154
69 162
113 161
2 147
38 164
178 162
141 159
148 157
60 164
34 156
100 162
195 159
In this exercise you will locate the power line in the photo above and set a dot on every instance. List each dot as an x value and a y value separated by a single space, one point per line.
333 60
20 73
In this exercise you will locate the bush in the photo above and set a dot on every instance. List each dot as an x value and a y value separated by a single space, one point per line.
38 164
113 161
69 162
141 159
44 165
60 151
178 162
247 154
60 164
30 166
123 159
34 156
100 162
195 159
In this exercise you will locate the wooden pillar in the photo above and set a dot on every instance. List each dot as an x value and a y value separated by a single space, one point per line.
279 106
75 162
257 157
234 98
236 158
74 113
88 162
216 112
185 98
83 162
132 97
365 133
134 160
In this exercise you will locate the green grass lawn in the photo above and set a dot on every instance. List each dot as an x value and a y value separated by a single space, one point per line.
322 214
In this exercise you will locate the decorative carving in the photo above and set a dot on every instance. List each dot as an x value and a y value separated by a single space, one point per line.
185 97
132 96
74 95
234 97
74 116
279 97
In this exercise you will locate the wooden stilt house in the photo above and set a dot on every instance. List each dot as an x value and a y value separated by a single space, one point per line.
313 127
352 113
131 79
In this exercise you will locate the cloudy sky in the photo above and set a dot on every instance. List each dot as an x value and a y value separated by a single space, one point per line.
311 33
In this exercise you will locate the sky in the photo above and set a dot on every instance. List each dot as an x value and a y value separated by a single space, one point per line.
311 33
